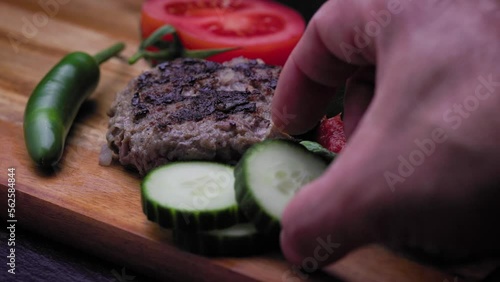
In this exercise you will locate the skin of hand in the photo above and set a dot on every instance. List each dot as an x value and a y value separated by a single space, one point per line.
422 120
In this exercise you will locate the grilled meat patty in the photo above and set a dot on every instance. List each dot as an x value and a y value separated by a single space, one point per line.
193 109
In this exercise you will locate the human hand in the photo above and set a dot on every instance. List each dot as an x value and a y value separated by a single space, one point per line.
421 117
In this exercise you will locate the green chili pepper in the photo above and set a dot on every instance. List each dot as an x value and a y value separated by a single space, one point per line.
55 102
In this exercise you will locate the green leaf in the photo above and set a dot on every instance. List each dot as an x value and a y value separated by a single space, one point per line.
319 150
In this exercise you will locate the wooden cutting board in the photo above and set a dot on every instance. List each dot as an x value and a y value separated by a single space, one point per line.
98 208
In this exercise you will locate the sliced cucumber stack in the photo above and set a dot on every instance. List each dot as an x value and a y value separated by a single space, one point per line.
203 202
238 240
190 196
268 176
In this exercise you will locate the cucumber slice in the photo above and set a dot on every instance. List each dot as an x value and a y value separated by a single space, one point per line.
267 177
190 196
239 240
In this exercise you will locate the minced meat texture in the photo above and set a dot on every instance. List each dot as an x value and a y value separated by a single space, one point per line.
192 109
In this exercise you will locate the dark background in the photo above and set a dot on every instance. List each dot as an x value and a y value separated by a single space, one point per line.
306 7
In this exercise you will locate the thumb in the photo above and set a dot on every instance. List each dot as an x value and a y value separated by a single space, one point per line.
321 225
339 211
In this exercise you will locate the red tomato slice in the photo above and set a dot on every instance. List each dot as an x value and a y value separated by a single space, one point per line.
262 29
331 134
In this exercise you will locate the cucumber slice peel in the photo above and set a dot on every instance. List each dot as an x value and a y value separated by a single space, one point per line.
190 196
238 240
268 176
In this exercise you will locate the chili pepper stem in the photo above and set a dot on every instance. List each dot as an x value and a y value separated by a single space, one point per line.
136 57
108 53
205 53
171 49
157 35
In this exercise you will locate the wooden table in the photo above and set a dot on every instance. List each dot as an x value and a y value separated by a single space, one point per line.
98 209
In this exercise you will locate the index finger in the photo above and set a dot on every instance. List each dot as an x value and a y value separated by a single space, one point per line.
316 67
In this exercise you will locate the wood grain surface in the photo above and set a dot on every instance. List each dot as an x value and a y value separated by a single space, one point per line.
98 208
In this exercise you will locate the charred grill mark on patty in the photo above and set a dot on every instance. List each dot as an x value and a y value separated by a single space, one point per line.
203 102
